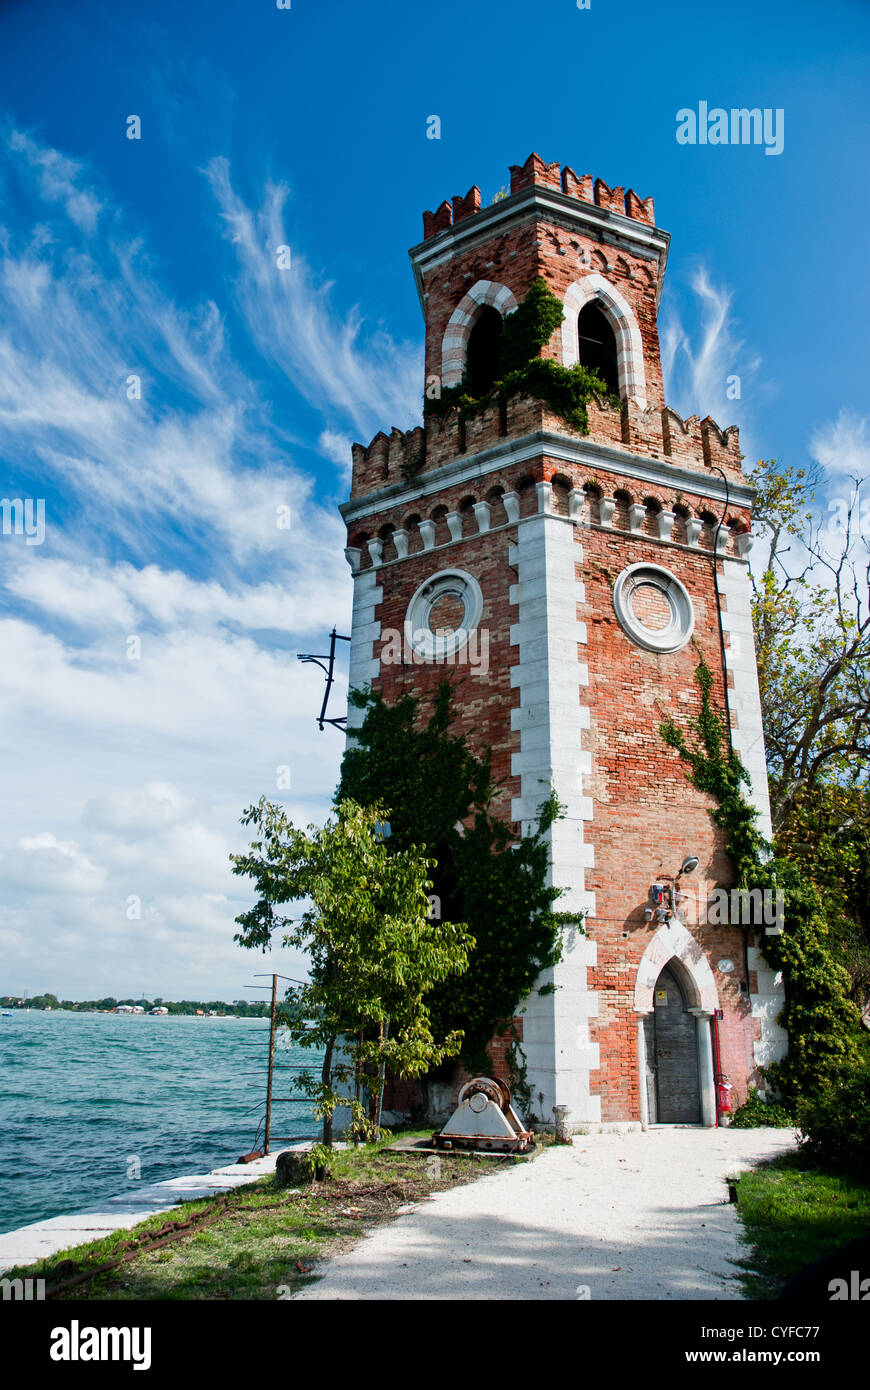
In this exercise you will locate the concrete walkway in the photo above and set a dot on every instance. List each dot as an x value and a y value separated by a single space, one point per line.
46 1238
641 1215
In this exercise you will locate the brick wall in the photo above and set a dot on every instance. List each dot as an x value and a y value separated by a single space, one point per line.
517 257
648 816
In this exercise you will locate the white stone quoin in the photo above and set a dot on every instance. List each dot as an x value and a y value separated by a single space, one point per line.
364 632
551 720
748 740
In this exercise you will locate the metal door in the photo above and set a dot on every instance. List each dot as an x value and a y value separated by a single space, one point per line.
672 1056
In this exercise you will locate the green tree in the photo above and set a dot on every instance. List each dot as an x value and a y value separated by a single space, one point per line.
443 796
823 1023
44 1001
812 635
825 1039
375 953
827 835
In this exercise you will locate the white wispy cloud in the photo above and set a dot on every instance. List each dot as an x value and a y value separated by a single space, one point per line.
697 364
166 518
337 447
97 595
369 381
200 450
842 446
60 180
705 365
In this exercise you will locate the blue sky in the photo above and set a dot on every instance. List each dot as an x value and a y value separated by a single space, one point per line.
155 257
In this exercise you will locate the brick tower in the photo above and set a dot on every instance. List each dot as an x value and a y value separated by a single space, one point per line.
574 580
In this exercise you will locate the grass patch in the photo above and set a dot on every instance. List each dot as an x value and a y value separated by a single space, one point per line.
793 1214
267 1238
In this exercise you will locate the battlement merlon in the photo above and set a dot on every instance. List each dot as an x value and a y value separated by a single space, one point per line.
614 216
676 450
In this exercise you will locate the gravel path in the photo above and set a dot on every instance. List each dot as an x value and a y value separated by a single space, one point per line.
615 1216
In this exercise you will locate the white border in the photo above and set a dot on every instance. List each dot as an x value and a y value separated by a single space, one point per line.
618 311
417 632
678 631
454 346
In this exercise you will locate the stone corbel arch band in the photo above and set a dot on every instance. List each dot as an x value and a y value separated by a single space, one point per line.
629 345
454 347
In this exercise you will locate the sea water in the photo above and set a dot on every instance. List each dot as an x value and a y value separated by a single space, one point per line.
94 1105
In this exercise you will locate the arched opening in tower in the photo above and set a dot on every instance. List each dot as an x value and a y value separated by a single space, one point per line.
482 356
672 1068
597 345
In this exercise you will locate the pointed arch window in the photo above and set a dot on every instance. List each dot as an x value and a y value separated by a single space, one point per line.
627 374
596 343
483 349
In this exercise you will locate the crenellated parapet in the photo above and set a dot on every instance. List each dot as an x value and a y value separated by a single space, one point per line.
387 458
685 439
537 173
694 444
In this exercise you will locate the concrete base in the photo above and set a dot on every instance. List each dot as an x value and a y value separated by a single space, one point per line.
582 1127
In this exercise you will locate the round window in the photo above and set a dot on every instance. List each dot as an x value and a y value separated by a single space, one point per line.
443 612
653 608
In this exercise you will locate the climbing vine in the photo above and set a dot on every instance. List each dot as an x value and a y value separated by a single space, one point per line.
442 796
529 328
716 768
518 1078
825 1037
521 369
824 1026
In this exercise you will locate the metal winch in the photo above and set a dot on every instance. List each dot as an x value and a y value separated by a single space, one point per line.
485 1119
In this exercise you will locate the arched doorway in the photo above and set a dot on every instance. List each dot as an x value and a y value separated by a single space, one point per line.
672 1071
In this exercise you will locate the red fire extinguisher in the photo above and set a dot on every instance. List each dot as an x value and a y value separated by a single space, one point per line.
724 1096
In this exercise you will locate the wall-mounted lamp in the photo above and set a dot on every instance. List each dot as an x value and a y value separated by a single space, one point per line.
664 896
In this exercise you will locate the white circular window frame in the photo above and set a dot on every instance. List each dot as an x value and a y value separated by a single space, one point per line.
682 622
419 635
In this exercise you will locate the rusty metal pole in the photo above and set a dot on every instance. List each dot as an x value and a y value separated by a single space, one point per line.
271 1065
355 1122
382 1070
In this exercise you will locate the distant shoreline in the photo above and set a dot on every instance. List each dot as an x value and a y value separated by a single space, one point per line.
161 1008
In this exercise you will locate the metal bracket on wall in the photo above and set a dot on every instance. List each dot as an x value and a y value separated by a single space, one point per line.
329 670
